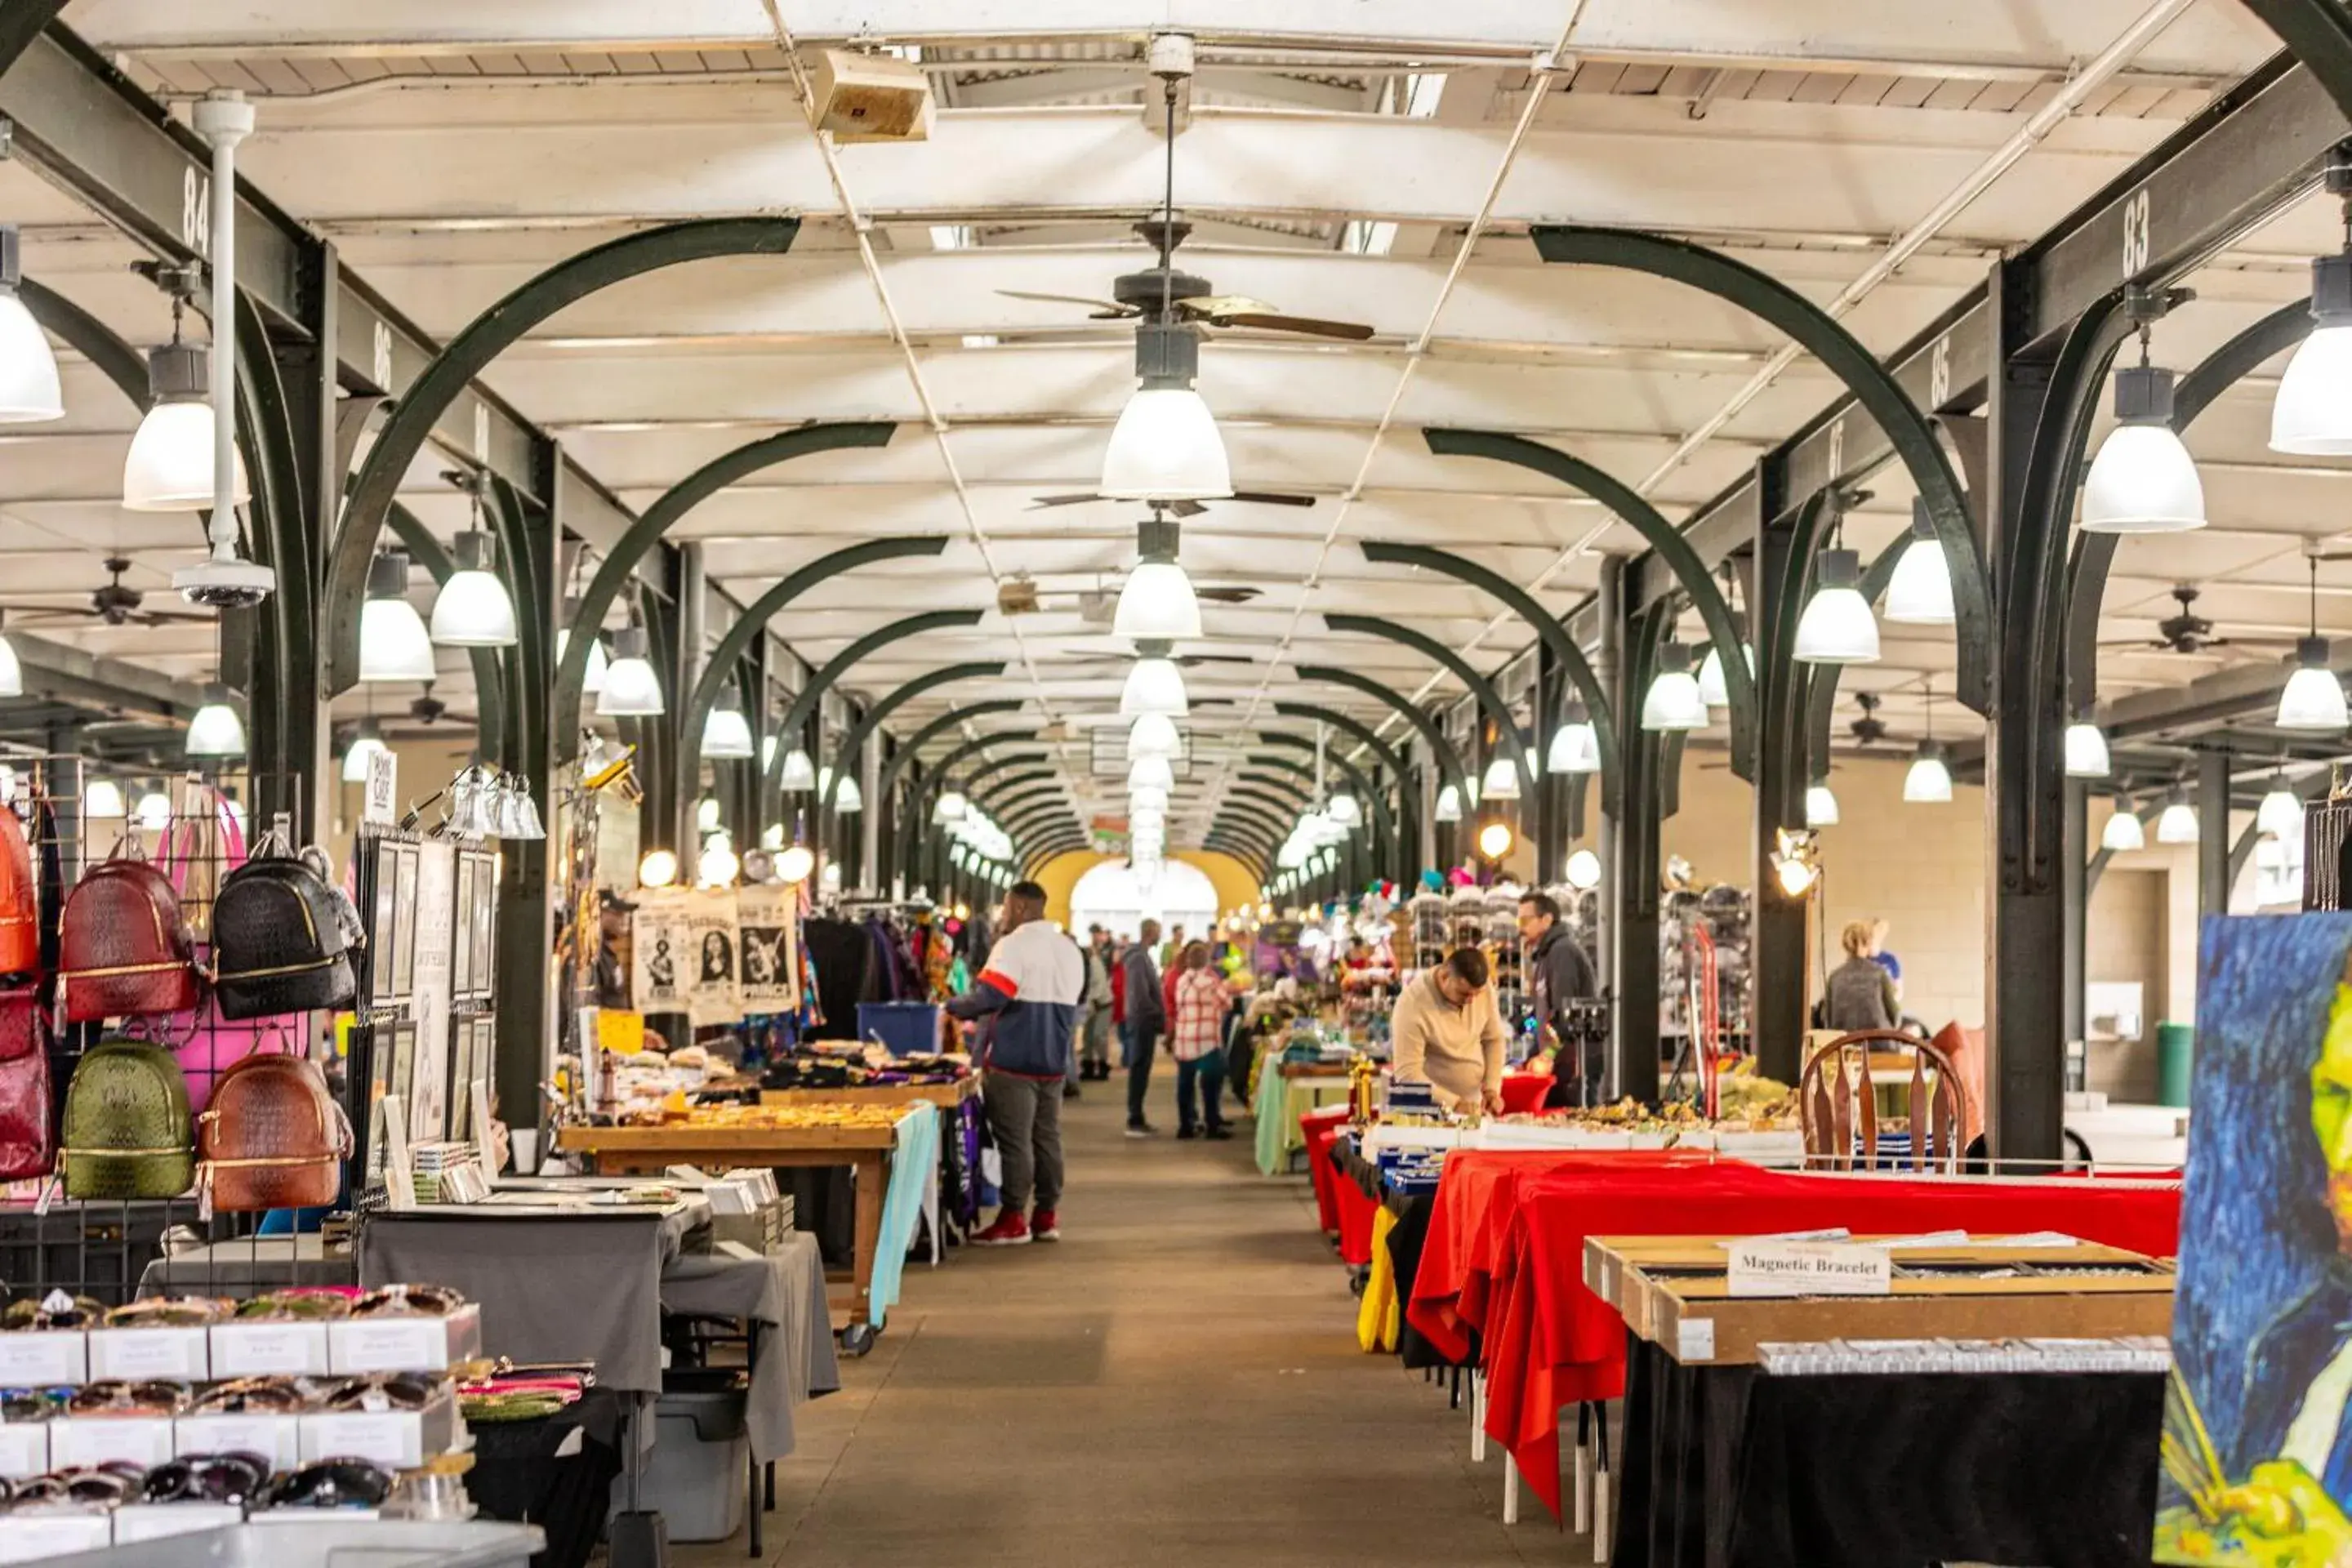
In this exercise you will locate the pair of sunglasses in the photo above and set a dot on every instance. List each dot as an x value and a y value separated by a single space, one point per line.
56 1311
168 1312
408 1301
329 1484
308 1306
33 1404
251 1396
207 1478
123 1396
102 1486
381 1391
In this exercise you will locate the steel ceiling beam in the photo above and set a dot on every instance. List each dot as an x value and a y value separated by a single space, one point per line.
1353 728
822 681
1462 670
1449 763
845 757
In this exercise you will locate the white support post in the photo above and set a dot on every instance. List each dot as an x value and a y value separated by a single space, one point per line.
1478 1418
1510 1488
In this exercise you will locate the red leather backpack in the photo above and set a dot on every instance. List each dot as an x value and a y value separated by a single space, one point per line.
123 947
20 931
273 1138
27 1144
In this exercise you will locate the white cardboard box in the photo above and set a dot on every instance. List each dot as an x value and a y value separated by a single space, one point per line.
142 1440
397 1439
35 1535
405 1345
185 1354
23 1448
44 1359
270 1350
153 1520
277 1438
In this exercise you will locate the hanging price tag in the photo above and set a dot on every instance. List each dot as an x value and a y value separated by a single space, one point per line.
382 804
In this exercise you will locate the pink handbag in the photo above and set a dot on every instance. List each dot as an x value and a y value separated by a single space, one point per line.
201 847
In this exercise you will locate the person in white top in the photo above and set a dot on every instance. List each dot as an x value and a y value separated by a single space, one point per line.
1026 1003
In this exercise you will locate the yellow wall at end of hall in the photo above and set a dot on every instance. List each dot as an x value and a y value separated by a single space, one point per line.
1235 883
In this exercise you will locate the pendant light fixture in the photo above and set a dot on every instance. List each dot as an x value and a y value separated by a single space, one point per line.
1929 782
1673 701
1345 809
1712 689
1147 799
2123 834
2281 812
29 391
1158 604
799 775
632 690
215 730
1583 870
1501 781
2086 751
1152 735
367 744
1821 806
2143 479
658 868
1920 591
727 734
848 800
949 807
2311 414
1575 747
394 643
2178 822
1151 772
1449 804
592 678
1154 684
153 811
2312 699
170 465
1495 839
102 798
825 781
12 670
473 609
1837 626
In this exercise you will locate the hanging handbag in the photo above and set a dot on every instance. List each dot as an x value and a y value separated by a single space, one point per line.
128 1132
20 932
273 1138
124 949
26 1145
205 845
280 942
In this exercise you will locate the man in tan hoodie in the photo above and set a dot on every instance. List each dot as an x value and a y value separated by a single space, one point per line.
1446 1033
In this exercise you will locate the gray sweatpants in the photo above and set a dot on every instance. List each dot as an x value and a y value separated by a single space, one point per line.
1025 1115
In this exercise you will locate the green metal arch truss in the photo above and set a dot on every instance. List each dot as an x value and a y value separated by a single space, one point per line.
1462 670
883 707
821 681
1449 764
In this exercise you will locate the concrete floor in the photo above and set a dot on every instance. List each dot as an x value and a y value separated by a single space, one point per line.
1177 1381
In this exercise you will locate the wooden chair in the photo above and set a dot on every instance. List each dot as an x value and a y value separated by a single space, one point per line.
1837 1101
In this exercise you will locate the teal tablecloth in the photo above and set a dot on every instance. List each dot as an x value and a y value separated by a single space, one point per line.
912 1163
1278 1107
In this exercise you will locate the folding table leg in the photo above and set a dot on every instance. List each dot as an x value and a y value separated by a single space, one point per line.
751 1496
1583 1488
1478 1418
1602 1523
1510 1488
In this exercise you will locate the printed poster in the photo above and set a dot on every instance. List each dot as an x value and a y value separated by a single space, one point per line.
659 972
712 997
767 917
2257 1451
427 1083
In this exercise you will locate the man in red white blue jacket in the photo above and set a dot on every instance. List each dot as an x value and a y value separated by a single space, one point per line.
1027 1003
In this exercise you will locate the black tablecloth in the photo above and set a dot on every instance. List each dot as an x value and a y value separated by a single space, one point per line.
1723 1466
517 1477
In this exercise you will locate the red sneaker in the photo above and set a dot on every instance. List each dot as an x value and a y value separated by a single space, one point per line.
1010 1229
1046 1226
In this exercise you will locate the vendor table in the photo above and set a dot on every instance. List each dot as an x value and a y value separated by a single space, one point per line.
897 1171
946 1096
1286 1091
556 1472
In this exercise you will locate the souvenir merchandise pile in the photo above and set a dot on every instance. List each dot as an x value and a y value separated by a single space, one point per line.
827 1066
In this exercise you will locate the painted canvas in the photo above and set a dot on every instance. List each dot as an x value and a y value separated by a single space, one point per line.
2257 1445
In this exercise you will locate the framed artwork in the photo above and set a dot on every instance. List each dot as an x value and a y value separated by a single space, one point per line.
397 1043
380 928
484 929
403 921
461 1073
463 971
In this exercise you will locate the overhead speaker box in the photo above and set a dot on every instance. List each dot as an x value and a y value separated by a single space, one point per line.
870 98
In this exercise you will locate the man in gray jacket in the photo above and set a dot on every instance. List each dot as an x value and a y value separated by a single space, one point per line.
1557 973
1146 1020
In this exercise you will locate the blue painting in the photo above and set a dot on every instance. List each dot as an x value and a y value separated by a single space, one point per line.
2258 1425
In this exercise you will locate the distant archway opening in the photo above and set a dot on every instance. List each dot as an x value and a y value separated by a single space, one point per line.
1112 895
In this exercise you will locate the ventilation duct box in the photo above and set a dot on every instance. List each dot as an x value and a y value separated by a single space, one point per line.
869 97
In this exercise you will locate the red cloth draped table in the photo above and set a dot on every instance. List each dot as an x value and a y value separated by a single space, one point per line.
1318 1128
1548 1343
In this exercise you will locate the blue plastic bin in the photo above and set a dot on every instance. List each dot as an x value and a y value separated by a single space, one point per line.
905 1029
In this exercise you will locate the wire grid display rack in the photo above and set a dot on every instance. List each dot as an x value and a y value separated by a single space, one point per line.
103 1249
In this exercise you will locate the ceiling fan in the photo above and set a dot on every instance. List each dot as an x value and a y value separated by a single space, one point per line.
1163 294
1188 660
114 605
2190 632
1184 508
428 709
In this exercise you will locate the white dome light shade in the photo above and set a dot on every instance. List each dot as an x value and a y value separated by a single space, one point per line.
632 690
102 798
1929 782
1152 735
2123 834
170 465
393 644
29 392
592 680
1158 602
824 781
473 609
2143 479
950 807
153 811
1583 869
1449 805
799 772
1146 825
2178 822
718 865
727 735
1575 746
657 869
1920 591
2314 697
2311 416
216 730
1165 447
11 672
1154 686
2281 812
2086 751
1820 807
1837 626
1150 773
1712 689
706 814
1148 798
364 745
1344 809
848 800
795 863
1673 701
1502 780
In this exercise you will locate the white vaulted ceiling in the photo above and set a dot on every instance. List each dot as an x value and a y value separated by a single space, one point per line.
1368 160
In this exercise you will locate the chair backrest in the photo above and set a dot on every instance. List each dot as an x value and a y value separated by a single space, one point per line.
1837 1101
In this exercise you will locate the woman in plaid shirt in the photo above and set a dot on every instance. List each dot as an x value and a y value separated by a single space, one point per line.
1196 1038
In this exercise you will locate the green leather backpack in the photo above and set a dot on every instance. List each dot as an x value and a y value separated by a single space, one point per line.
128 1130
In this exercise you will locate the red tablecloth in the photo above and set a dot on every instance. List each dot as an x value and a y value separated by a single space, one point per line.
1550 1343
1523 1092
1317 1128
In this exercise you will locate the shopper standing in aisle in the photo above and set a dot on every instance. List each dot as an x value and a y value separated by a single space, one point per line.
1196 1038
1027 1002
1146 1020
1094 1059
1446 1033
1859 994
1559 973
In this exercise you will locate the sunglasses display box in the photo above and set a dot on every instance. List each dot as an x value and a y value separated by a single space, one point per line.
31 1536
395 1439
62 1357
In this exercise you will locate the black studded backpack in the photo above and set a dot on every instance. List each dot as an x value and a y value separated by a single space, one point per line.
282 934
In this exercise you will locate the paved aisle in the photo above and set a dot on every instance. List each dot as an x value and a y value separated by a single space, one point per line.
1177 1382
